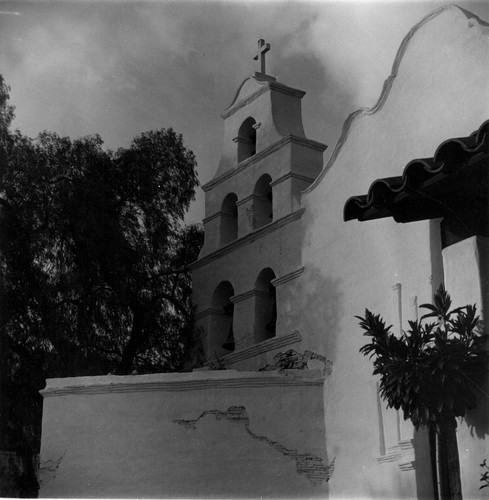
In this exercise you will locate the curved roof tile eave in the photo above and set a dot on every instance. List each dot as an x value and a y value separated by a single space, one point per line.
421 169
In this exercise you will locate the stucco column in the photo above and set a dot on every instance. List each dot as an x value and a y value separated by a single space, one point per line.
286 287
252 312
213 327
212 226
466 270
287 193
245 216
244 318
264 304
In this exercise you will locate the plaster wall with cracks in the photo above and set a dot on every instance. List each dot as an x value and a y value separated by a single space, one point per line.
307 464
49 469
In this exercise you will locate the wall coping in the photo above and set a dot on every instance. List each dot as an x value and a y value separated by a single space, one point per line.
246 199
261 347
288 277
292 175
235 299
215 215
208 312
175 382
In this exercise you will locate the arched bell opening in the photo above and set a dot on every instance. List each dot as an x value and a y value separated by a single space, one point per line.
229 219
265 306
263 201
221 335
246 139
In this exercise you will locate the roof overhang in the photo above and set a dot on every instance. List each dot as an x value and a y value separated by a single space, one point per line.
452 183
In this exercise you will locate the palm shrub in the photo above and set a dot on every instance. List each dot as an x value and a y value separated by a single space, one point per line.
432 373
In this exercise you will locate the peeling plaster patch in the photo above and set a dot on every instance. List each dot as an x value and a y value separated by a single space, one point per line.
293 359
49 469
403 452
307 464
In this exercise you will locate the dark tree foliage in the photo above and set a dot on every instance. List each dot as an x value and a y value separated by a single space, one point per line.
93 251
94 262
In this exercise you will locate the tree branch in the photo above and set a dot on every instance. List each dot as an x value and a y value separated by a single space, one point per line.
168 273
60 178
173 301
104 349
76 301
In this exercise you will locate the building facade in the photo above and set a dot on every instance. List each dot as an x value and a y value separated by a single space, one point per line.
278 284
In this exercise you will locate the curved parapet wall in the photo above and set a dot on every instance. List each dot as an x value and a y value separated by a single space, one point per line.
472 21
438 89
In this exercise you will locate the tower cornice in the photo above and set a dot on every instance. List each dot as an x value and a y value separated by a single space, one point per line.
290 139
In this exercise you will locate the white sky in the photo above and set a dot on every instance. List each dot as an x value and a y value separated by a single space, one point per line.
118 68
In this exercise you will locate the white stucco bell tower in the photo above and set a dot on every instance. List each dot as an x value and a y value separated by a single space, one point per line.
243 280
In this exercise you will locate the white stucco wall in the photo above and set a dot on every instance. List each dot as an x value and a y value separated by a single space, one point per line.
438 90
466 277
219 434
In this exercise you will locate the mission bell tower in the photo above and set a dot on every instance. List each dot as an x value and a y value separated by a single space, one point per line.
244 279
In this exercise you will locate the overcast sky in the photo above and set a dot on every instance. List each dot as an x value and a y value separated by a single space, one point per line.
119 68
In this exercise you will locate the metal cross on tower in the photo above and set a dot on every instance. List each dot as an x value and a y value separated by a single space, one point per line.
263 48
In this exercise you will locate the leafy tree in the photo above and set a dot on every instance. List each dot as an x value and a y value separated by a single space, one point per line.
432 372
94 252
94 262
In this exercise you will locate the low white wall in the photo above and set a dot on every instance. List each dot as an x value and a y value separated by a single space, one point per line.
203 434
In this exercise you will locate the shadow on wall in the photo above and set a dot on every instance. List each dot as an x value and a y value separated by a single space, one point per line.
422 459
320 306
317 310
477 420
